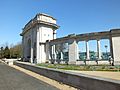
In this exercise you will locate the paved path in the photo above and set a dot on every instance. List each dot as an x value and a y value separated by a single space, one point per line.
12 79
103 74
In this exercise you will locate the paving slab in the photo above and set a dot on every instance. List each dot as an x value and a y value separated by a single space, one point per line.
103 74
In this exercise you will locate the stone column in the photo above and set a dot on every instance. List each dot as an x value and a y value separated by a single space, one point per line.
115 45
73 52
53 52
61 55
47 50
37 46
23 50
31 59
77 51
87 50
98 49
111 47
50 55
54 34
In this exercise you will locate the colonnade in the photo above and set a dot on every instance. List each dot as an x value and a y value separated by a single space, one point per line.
113 36
39 30
73 51
98 49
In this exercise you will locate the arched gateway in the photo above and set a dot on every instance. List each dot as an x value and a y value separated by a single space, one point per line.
40 44
34 36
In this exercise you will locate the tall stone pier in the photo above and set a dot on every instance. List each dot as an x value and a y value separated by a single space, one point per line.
115 45
36 32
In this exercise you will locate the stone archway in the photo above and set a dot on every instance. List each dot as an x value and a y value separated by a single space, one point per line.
28 49
34 53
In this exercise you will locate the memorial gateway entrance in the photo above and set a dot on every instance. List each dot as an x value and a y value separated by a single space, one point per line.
40 44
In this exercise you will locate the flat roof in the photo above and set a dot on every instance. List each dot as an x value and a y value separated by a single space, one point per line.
44 14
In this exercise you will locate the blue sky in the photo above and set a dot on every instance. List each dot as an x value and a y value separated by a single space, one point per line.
73 16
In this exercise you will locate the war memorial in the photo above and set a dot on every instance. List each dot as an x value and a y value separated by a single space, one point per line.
40 44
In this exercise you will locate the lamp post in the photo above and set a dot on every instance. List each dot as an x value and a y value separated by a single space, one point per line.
106 50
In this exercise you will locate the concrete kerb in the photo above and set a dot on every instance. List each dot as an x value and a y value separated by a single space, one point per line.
8 61
80 81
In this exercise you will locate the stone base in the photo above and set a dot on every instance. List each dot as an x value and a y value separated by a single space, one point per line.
116 62
103 63
80 63
91 63
62 62
71 62
10 62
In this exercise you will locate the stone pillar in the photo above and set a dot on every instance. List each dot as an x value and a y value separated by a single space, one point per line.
23 50
54 34
77 51
47 50
31 59
115 45
37 46
73 52
50 51
87 50
98 49
61 58
53 52
61 55
111 47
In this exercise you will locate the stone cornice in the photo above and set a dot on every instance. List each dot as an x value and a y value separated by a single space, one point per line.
35 22
88 36
43 14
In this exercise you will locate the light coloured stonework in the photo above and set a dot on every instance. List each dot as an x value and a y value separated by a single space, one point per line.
39 43
34 36
113 36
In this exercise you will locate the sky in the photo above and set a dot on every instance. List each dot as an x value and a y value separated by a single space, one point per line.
73 16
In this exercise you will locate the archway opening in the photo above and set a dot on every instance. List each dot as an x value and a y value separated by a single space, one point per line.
28 50
82 50
93 49
105 49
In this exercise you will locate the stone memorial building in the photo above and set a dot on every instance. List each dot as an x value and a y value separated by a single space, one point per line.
39 43
34 36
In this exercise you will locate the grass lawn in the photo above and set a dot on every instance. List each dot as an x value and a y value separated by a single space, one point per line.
82 68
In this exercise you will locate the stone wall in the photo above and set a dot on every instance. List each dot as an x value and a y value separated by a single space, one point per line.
80 81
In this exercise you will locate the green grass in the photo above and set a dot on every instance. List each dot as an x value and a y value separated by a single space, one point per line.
81 68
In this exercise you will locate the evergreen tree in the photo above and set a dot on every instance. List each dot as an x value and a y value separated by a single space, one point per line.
7 52
1 52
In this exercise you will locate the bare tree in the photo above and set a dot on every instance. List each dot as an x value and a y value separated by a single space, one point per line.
16 51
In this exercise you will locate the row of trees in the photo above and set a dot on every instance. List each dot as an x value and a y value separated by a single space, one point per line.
15 51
